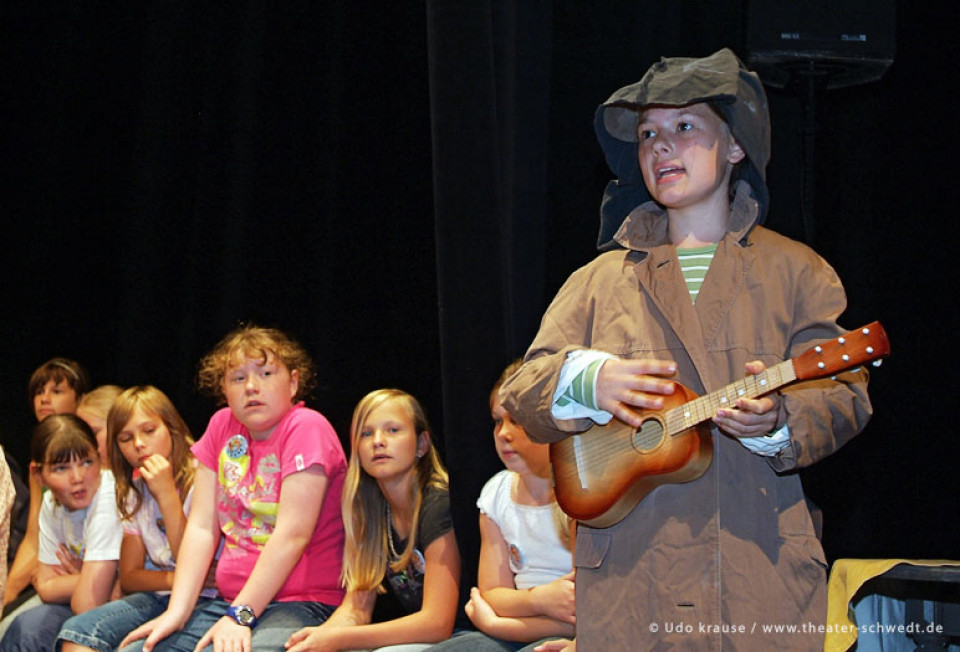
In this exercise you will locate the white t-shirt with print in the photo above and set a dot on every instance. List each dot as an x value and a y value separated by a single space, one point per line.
93 533
147 523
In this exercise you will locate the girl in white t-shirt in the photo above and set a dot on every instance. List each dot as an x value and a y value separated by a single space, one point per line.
80 533
149 448
55 387
525 587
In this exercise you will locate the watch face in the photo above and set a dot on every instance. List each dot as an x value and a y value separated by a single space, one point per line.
243 615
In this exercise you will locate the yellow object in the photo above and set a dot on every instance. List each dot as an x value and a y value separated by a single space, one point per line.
846 578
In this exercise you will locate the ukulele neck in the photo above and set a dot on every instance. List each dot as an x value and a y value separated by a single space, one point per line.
703 408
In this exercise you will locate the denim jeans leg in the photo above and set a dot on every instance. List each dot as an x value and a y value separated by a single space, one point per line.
205 614
104 627
280 620
36 630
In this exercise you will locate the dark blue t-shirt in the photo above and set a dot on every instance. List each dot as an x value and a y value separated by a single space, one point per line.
435 521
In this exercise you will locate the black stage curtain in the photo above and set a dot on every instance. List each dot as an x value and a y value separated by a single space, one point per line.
174 169
489 85
405 189
517 211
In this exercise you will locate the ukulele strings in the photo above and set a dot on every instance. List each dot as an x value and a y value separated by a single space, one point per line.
704 407
678 419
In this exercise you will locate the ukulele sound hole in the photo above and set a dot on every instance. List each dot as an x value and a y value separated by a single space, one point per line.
648 436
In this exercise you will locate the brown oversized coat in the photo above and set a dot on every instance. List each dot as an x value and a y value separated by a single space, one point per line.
735 548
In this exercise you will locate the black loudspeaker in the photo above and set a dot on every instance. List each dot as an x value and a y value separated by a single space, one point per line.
843 42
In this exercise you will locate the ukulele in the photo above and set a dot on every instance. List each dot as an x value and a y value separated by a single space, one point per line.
603 473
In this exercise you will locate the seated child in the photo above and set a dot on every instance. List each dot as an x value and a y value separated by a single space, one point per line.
15 512
8 494
269 481
154 469
525 589
396 509
93 409
55 387
79 532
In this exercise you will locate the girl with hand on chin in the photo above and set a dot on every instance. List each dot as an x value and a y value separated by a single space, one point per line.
154 470
396 509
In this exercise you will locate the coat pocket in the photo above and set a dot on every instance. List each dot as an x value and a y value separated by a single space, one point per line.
591 549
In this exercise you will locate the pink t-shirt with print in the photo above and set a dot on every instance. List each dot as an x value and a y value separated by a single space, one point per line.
249 475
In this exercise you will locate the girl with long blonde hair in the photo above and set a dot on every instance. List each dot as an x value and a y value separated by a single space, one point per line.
396 509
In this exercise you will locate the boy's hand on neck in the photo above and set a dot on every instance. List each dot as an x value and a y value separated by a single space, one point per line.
752 417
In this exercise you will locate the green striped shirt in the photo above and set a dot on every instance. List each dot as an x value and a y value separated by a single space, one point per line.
695 262
583 389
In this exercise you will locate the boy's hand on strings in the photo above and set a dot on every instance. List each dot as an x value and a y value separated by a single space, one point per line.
70 564
627 387
157 472
751 417
556 599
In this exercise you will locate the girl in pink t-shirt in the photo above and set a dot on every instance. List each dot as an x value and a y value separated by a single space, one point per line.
269 482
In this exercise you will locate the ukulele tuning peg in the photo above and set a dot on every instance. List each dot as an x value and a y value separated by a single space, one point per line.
877 363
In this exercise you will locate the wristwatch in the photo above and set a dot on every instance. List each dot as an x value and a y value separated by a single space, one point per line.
243 615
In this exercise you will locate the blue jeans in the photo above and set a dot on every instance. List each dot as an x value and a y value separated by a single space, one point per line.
470 641
277 623
104 627
35 629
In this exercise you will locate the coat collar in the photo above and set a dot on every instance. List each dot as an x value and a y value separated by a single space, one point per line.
646 226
